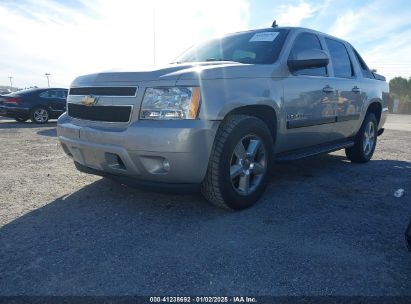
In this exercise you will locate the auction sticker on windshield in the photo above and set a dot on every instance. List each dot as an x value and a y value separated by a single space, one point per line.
264 36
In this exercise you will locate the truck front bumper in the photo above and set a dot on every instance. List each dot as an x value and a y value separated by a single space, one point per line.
175 152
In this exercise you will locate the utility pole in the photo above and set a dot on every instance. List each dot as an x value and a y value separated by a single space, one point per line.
154 35
11 83
48 80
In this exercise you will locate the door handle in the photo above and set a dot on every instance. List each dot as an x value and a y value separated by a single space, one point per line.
327 89
356 89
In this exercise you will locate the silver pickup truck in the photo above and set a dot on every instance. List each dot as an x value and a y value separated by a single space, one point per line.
225 111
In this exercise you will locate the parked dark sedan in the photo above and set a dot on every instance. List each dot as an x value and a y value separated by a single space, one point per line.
39 105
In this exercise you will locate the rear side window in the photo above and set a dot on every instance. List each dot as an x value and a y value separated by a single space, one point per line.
54 94
304 42
340 59
364 68
45 94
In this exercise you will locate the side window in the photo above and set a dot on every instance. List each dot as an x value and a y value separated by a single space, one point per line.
53 94
364 68
45 94
304 42
340 59
61 94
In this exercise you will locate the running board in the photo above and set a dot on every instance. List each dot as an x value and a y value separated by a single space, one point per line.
312 151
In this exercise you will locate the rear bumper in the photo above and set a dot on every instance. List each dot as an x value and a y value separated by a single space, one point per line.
175 152
13 111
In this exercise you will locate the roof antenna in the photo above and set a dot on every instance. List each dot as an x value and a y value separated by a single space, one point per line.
274 24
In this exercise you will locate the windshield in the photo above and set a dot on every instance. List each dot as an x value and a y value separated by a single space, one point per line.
257 47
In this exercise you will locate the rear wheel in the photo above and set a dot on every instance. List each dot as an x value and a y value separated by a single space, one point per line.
365 141
21 119
239 165
40 115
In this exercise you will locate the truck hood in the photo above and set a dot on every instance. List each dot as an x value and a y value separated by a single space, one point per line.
182 71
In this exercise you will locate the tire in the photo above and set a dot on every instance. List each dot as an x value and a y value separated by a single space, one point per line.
365 141
21 119
40 115
240 161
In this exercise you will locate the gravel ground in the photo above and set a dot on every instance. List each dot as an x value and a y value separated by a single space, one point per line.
324 227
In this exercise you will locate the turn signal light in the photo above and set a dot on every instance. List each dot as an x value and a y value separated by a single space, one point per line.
195 104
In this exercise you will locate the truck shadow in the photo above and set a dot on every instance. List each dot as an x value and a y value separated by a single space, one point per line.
11 124
110 239
48 132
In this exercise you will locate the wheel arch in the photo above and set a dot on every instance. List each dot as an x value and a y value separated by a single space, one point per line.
40 105
375 107
264 112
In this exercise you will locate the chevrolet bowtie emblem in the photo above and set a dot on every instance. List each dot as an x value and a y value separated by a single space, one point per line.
89 100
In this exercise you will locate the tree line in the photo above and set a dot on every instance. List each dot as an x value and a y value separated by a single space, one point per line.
400 89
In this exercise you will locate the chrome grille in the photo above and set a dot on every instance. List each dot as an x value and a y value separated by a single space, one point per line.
104 91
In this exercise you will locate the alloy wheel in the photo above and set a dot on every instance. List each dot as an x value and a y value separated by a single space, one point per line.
248 164
41 115
369 138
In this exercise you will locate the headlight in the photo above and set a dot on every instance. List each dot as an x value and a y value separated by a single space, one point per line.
170 103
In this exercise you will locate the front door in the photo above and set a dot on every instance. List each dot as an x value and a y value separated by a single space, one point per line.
309 101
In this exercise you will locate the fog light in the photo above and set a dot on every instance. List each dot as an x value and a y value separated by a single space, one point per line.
166 165
155 164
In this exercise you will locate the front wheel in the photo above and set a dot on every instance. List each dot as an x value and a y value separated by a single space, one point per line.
365 141
239 164
40 115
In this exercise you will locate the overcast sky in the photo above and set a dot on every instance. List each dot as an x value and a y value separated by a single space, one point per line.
74 37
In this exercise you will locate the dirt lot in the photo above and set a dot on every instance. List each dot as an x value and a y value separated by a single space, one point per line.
324 227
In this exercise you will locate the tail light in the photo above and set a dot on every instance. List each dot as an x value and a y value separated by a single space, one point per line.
12 100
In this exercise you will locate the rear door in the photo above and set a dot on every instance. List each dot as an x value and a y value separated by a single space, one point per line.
309 101
349 93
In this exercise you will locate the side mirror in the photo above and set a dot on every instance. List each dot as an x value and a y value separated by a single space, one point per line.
308 59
